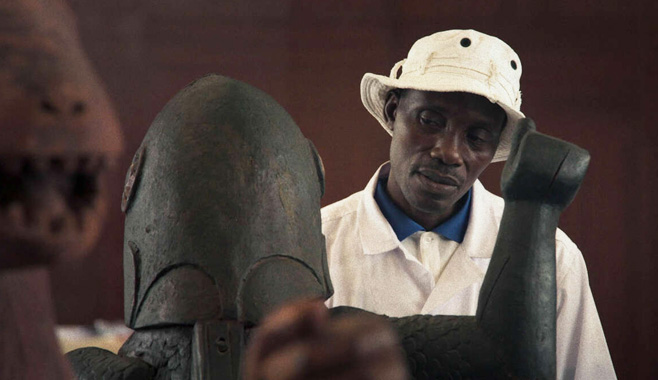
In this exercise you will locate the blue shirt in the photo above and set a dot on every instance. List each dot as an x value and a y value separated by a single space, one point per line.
454 228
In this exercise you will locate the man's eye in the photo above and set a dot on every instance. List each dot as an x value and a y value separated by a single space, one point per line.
430 118
427 120
475 138
479 137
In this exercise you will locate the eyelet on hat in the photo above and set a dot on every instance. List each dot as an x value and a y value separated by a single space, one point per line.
451 61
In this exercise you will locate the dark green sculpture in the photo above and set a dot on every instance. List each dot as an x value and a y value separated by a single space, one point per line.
222 205
222 225
223 193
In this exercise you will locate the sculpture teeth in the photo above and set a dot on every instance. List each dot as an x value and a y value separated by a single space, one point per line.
60 209
46 222
91 164
86 164
16 216
64 164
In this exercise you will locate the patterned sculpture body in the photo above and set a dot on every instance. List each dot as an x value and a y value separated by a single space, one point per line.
58 133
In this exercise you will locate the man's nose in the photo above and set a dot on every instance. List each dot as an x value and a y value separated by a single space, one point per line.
446 149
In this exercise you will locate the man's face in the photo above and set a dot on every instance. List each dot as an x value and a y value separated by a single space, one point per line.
441 143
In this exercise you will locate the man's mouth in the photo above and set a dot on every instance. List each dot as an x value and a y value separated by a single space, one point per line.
438 178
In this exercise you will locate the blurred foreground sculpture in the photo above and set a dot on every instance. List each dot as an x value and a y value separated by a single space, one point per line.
222 205
222 225
58 135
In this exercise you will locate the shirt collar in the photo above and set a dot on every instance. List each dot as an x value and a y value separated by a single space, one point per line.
454 228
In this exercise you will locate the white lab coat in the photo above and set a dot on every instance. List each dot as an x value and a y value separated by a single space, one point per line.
370 270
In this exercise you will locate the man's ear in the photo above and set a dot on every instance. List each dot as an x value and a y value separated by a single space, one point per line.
391 107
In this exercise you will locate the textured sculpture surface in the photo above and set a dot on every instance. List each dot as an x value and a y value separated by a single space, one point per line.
58 134
222 205
222 225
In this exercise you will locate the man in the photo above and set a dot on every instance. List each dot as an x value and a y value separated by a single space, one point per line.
418 239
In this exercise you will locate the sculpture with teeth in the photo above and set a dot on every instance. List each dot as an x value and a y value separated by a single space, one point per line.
58 133
222 225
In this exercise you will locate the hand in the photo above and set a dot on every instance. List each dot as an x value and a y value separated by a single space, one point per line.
301 341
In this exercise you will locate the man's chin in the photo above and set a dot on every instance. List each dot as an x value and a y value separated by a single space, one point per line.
433 205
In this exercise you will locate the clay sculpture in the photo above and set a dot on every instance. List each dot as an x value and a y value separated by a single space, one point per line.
59 136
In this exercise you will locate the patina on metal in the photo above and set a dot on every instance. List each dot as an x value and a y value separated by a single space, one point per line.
222 225
58 133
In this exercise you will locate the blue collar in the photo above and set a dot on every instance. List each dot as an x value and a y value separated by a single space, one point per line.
454 228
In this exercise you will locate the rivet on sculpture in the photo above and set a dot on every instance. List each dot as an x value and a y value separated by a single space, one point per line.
222 225
222 205
58 133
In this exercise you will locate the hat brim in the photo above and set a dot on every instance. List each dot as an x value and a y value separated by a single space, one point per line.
374 89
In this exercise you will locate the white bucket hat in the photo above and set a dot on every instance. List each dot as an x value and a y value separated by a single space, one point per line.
455 61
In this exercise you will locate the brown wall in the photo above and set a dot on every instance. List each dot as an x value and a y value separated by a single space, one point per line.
588 77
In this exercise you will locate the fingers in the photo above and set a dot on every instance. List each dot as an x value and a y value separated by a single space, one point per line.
350 347
370 350
292 323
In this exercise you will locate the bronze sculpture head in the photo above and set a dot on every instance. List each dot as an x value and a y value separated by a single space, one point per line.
222 210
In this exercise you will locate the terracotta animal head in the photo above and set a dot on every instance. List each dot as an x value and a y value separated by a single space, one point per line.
58 135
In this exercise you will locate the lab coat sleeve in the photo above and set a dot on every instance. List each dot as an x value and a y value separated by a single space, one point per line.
582 351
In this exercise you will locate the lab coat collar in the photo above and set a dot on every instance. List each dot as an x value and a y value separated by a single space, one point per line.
482 231
377 235
461 272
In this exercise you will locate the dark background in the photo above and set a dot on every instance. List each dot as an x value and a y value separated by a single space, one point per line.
589 76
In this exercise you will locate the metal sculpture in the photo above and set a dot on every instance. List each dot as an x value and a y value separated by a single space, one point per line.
222 225
222 205
58 136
